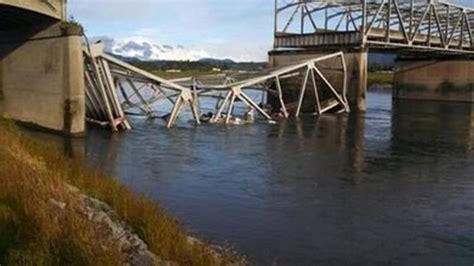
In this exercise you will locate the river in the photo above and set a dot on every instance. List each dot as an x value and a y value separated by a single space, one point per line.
394 186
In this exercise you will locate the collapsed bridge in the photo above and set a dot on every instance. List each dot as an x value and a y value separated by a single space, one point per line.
47 80
115 88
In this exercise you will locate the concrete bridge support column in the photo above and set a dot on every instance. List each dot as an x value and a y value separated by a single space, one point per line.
358 80
41 80
357 65
434 79
471 135
2 95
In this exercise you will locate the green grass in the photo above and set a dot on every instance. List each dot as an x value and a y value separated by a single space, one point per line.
379 78
32 230
184 74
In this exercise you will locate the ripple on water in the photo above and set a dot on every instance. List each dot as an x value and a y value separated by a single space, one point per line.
393 186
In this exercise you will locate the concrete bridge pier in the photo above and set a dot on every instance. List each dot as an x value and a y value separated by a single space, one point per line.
439 79
41 69
357 65
471 136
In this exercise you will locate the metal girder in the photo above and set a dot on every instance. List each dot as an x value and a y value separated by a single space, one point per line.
237 89
428 25
141 92
106 76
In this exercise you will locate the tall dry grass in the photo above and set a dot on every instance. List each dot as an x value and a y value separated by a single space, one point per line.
31 173
35 232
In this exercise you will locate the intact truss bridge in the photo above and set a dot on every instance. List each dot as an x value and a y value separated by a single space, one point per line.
418 25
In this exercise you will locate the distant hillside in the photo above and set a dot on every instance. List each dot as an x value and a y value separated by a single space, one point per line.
377 62
216 61
203 65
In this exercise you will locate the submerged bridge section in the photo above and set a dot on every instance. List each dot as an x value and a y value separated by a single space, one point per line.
441 33
116 89
41 69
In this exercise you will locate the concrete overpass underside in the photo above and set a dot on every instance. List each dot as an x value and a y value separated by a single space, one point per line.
41 67
13 18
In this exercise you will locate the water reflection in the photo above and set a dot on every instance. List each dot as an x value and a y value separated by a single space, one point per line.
70 147
444 126
471 137
392 186
357 146
104 154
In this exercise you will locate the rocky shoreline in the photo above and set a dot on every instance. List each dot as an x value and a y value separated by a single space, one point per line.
130 244
61 212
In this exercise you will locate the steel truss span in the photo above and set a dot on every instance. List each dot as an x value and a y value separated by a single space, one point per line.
427 25
115 89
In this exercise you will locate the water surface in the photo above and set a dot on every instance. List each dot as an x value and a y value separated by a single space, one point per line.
394 186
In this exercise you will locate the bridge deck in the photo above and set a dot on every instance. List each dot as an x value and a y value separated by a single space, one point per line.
433 26
354 39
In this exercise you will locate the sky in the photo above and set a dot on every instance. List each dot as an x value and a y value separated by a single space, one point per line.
241 30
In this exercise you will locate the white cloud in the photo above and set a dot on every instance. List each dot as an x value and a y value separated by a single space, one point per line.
146 49
239 30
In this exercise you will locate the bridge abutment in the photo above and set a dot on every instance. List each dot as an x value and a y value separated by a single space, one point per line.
357 66
41 79
434 79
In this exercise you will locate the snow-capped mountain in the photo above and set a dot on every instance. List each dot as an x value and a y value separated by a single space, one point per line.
146 50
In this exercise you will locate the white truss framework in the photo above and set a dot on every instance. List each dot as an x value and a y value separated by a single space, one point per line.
115 88
107 76
311 74
429 25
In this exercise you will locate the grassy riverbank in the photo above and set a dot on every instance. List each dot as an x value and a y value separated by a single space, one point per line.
382 78
34 232
184 74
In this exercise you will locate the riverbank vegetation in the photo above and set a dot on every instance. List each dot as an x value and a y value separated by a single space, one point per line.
202 65
185 74
380 78
33 231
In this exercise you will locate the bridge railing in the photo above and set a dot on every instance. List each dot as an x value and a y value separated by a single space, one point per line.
416 24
